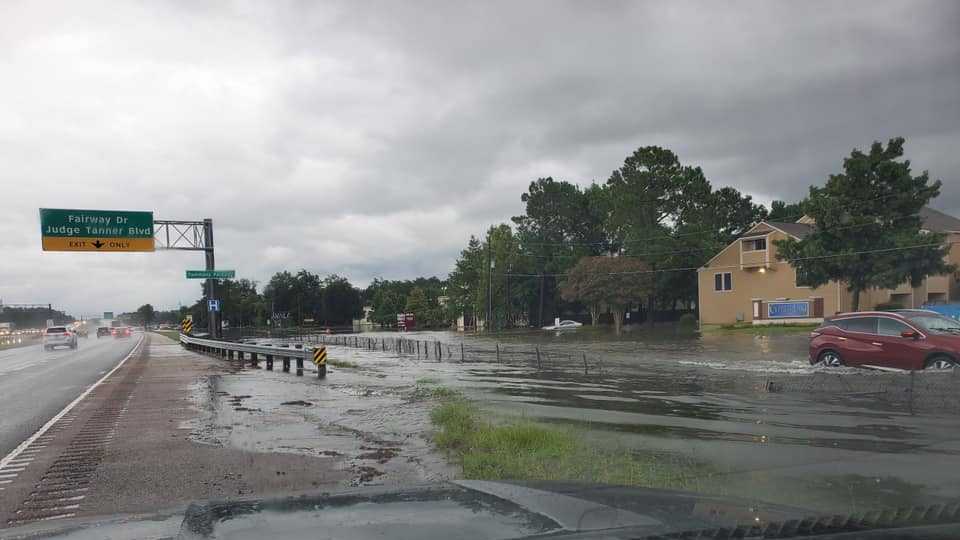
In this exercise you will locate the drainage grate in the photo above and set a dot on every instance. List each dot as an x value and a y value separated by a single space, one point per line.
66 482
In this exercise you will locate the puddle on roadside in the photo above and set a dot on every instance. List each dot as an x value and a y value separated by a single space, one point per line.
751 406
376 434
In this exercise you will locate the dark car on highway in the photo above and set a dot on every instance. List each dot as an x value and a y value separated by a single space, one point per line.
121 332
103 331
903 339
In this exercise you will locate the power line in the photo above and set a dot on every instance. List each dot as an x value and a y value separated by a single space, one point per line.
702 249
675 235
733 266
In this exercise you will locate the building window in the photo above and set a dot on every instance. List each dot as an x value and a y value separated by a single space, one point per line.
803 278
755 244
723 281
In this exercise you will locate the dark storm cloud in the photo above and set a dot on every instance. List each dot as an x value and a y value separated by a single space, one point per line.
372 139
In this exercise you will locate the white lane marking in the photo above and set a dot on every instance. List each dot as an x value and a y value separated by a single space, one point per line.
15 468
4 476
6 481
25 444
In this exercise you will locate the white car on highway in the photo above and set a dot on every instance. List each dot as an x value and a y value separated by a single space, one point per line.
59 336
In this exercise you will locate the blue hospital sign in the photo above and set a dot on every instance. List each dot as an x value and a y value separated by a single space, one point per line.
788 310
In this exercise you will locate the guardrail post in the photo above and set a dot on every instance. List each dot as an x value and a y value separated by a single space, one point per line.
253 359
286 365
299 367
240 357
269 362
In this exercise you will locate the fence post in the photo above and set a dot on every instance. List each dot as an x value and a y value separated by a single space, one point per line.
584 363
418 348
299 366
538 357
461 351
912 373
498 352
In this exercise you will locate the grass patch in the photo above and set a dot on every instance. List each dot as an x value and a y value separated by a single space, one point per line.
427 380
341 363
758 329
424 391
525 450
172 334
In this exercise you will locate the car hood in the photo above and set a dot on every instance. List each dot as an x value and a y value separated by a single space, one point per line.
470 510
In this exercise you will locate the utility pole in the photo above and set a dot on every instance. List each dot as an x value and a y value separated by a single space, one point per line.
213 319
540 311
489 322
506 297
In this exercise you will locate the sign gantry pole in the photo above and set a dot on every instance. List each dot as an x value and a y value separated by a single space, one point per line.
195 236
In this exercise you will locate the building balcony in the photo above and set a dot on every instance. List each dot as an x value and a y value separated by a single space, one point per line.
754 259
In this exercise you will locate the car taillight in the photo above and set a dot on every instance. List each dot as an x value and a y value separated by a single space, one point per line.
814 334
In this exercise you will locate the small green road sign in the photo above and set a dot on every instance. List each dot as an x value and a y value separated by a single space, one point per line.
211 274
95 230
108 315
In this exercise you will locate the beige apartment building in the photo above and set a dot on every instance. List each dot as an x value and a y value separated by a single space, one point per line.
746 283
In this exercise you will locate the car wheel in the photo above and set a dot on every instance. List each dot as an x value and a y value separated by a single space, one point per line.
830 358
940 361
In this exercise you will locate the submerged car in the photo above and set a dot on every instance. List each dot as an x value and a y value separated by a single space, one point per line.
564 325
909 339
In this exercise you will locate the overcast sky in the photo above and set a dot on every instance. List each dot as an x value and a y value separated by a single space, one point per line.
371 139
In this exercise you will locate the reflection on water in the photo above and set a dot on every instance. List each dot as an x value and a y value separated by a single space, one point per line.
751 407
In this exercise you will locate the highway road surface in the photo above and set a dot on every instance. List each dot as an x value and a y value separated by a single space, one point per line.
36 384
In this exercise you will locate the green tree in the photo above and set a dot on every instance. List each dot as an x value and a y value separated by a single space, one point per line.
786 212
422 308
145 315
868 229
649 193
341 300
561 223
465 282
616 282
298 294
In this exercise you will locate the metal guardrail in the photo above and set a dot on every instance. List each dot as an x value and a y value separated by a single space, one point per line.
254 353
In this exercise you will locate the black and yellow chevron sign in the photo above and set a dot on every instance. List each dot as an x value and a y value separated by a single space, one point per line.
320 356
186 326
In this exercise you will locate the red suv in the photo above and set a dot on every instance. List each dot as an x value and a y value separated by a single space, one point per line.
904 339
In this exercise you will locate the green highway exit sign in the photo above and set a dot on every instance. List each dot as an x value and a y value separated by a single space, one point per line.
211 274
95 230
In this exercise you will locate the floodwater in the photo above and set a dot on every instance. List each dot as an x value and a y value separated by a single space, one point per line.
750 409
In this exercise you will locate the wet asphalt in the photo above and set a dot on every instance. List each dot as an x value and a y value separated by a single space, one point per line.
36 384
